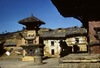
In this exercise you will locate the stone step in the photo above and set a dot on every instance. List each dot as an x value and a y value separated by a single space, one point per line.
81 61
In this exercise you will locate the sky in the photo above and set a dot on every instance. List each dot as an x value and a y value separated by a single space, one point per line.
11 11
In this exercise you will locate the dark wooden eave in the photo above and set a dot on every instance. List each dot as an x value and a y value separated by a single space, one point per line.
83 10
68 8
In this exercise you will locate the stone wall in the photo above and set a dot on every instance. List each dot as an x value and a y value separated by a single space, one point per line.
81 43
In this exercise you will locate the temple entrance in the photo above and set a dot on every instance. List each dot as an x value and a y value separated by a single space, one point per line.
30 52
52 52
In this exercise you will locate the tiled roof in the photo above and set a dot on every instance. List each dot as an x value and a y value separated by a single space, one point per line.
64 32
31 19
9 43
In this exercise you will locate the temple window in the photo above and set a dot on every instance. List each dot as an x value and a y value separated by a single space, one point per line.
52 43
76 40
30 41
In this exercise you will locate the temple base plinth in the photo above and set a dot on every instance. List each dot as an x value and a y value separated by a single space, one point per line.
28 58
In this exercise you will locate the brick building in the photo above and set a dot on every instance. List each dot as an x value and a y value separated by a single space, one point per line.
94 41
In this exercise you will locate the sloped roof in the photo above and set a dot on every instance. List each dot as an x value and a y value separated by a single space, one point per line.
64 32
9 43
31 20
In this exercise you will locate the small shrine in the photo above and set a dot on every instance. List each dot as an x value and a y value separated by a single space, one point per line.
32 50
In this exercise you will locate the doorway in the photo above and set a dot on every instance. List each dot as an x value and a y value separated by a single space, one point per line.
52 51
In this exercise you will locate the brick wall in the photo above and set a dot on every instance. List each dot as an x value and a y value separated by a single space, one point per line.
95 48
92 32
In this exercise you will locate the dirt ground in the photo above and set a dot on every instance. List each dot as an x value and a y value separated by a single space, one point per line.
15 62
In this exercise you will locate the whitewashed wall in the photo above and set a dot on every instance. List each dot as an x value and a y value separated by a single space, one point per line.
48 47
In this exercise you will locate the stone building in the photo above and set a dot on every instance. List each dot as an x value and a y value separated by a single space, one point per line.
61 42
57 42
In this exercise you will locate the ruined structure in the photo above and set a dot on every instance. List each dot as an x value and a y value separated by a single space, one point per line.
85 11
32 43
63 41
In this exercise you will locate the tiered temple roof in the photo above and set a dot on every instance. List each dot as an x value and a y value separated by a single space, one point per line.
31 20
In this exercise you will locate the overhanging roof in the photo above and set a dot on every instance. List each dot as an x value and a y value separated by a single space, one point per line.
79 8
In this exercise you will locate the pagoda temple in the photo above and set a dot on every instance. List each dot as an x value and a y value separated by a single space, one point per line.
32 41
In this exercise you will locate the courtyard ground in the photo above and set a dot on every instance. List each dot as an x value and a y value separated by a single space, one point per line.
15 62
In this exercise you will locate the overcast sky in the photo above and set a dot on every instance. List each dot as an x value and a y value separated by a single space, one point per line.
11 11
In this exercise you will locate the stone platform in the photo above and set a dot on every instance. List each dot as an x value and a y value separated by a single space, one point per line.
81 58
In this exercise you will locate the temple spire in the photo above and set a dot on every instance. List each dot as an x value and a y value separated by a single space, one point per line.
31 14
